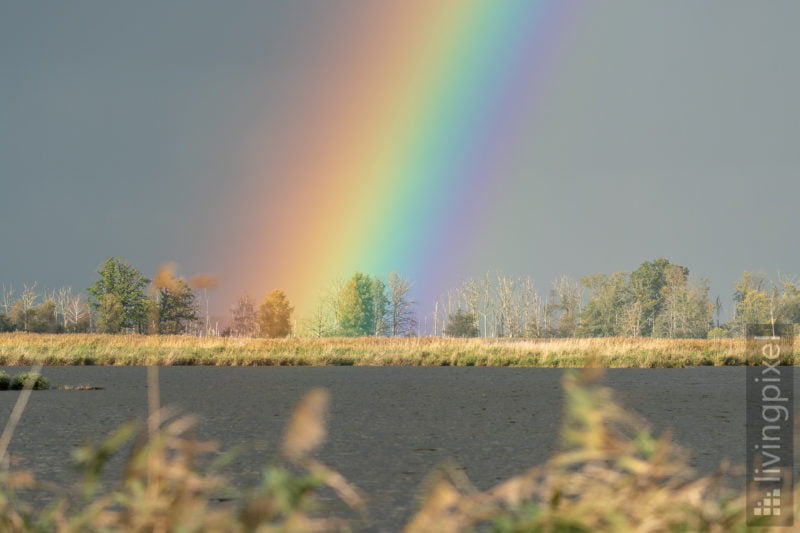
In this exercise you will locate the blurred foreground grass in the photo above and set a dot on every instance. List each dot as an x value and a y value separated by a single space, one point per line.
609 474
19 349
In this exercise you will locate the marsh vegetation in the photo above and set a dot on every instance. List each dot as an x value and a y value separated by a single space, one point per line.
19 349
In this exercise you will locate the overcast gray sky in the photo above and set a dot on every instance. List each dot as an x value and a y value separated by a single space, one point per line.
672 131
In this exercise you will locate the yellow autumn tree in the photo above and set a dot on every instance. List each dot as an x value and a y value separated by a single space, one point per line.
274 315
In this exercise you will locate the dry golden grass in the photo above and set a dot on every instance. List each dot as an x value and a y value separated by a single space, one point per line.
612 352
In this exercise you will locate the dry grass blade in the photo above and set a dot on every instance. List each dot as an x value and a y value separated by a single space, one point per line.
16 415
346 491
437 511
306 429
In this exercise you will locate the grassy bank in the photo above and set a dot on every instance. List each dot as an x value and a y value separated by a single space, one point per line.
617 352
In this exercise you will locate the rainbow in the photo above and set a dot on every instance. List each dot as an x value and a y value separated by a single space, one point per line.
401 141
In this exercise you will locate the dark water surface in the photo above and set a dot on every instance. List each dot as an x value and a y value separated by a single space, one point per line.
389 427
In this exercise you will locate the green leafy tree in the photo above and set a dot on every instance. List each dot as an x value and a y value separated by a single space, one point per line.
380 307
645 287
109 315
275 315
357 306
22 317
45 319
127 285
5 323
752 302
23 312
602 315
750 281
753 308
701 308
462 324
788 305
686 309
177 309
152 320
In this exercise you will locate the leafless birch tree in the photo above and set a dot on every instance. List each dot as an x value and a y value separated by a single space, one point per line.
243 314
566 297
401 308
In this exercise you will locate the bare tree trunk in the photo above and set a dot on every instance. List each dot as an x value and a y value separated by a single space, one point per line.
400 312
531 309
7 299
77 310
436 318
63 299
505 303
27 301
470 292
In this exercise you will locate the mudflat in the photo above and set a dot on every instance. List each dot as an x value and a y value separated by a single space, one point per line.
388 427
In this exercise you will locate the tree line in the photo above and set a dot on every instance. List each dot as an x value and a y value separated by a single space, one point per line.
658 299
123 300
364 305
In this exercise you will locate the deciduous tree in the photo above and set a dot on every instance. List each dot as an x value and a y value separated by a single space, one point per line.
205 282
45 319
401 312
245 319
751 301
128 287
321 322
602 315
275 314
462 324
686 309
564 307
645 287
109 314
380 308
177 309
5 323
788 304
77 314
357 307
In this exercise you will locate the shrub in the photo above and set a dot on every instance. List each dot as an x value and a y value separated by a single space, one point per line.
718 333
462 324
30 379
5 380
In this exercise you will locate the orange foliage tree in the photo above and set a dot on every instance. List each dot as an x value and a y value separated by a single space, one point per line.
274 315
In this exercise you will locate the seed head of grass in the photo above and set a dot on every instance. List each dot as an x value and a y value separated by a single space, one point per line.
165 277
306 429
204 281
